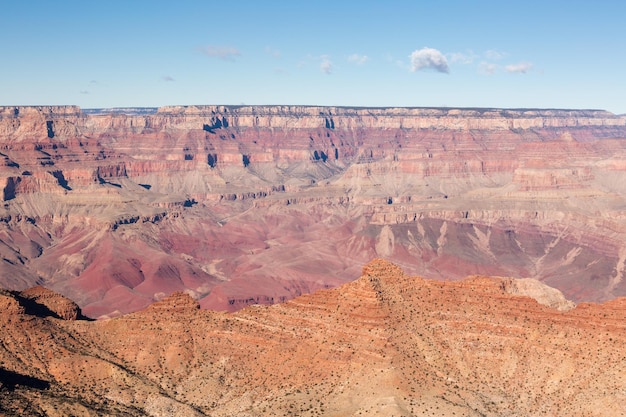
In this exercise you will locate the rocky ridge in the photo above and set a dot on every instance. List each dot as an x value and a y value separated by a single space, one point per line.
239 205
387 343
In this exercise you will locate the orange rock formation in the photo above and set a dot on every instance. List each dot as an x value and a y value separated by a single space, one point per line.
386 344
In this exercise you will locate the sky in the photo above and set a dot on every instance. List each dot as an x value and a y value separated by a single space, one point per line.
366 53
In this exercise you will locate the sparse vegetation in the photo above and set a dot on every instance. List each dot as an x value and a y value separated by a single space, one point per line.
392 343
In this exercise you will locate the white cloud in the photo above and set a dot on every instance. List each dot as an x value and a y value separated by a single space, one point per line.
487 68
227 53
462 58
429 58
272 52
494 55
520 68
402 64
326 66
358 59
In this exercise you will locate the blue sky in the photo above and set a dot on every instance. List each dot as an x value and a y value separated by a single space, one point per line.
540 54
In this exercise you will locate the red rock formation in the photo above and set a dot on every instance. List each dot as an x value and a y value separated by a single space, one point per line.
240 205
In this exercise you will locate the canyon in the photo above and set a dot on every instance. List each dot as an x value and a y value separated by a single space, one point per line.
386 344
240 205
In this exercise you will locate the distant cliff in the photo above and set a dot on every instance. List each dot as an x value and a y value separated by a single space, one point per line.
240 205
314 117
286 117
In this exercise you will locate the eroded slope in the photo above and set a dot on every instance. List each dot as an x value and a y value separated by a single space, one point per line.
245 205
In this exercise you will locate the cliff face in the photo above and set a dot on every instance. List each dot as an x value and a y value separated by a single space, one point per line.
257 204
67 122
309 117
386 344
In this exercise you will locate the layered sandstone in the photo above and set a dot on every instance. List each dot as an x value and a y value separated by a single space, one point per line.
240 205
386 344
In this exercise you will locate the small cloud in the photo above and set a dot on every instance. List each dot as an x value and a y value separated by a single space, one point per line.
84 92
93 82
167 78
280 71
326 66
462 58
272 52
397 62
494 55
358 59
521 68
487 68
429 58
226 53
402 64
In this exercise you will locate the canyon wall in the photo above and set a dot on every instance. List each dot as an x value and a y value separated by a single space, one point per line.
240 205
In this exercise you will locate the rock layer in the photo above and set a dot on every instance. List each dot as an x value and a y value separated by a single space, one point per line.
240 205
